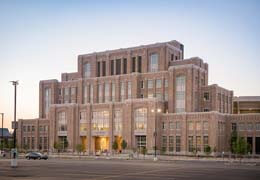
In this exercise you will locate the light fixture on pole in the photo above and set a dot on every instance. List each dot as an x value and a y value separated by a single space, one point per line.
14 150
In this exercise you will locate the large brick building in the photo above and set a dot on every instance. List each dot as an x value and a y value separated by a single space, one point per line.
144 95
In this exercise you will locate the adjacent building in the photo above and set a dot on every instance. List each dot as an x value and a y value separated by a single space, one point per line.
147 95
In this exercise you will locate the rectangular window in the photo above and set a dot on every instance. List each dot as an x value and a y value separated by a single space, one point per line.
140 117
150 83
164 143
257 128
178 125
206 96
205 142
103 68
198 143
133 64
107 92
172 57
129 90
139 64
33 129
113 92
158 95
180 94
118 66
73 90
125 66
150 95
118 121
205 125
47 100
166 96
140 142
45 143
154 63
98 69
249 126
234 126
171 143
86 70
100 93
198 126
190 143
85 94
165 83
91 93
241 126
178 143
158 83
142 84
112 67
190 126
100 120
28 142
28 128
171 125
122 91
163 126
33 142
62 122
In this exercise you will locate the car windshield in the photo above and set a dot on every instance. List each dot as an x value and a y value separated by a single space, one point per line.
38 153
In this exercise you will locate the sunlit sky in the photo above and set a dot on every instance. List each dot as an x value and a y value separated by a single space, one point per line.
41 39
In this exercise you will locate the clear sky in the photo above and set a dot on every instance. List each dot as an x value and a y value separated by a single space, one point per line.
41 39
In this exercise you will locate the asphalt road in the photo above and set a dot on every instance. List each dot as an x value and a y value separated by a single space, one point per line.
125 169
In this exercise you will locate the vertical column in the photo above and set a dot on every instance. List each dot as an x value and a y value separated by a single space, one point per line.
254 144
89 137
111 125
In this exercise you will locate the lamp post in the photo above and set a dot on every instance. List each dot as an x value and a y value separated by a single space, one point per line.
155 131
14 151
2 140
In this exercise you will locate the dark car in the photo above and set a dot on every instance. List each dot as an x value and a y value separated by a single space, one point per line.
36 155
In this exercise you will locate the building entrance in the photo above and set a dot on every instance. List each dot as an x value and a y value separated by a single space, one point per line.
101 144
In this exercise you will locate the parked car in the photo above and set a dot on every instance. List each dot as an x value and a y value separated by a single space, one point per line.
36 155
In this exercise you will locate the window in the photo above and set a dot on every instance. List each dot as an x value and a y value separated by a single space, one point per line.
257 126
150 83
113 92
100 120
206 96
85 94
165 83
139 64
103 68
164 143
118 66
82 116
100 93
28 142
163 125
118 120
45 143
62 122
158 95
150 95
98 69
198 143
86 70
180 94
33 129
107 92
142 84
28 128
83 127
91 93
122 91
198 126
140 116
47 100
190 143
241 126
154 63
171 143
249 126
125 66
40 143
205 142
166 96
178 143
158 83
73 90
190 126
67 91
112 67
129 90
178 125
206 110
60 91
205 125
234 126
172 57
40 128
171 125
33 142
133 64
140 141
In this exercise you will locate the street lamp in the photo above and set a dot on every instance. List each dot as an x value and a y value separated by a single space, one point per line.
14 151
155 131
2 140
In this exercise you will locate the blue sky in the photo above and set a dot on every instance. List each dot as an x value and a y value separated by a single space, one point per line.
41 39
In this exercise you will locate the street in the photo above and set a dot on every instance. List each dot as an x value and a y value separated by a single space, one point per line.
125 169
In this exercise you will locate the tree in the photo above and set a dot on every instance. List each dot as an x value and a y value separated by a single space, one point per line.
57 146
207 149
124 144
240 146
233 140
80 148
115 145
144 151
65 144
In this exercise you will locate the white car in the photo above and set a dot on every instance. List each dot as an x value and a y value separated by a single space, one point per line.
2 153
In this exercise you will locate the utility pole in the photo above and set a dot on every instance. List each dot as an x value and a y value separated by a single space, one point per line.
2 140
14 150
